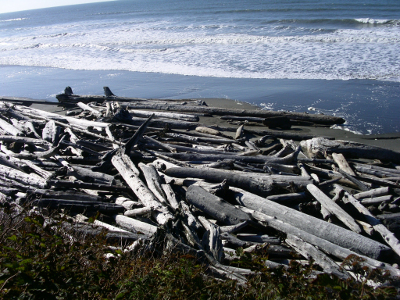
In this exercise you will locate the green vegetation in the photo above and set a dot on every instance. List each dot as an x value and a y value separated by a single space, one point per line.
40 260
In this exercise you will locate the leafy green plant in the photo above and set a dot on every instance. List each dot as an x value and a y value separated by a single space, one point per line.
40 259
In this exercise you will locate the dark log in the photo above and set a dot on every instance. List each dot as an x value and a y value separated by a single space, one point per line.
79 206
84 185
215 206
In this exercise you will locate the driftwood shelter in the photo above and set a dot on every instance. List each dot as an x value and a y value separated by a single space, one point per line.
152 171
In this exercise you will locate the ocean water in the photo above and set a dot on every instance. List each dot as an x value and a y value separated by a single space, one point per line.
336 57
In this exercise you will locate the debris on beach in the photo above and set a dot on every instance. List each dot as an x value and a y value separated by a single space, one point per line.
153 175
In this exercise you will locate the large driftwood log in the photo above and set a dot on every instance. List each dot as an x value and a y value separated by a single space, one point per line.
27 179
215 206
319 119
327 246
130 174
320 146
331 232
219 176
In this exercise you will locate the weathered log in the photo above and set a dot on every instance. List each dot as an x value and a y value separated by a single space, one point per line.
323 244
28 179
310 252
319 119
376 200
153 181
260 159
170 196
333 208
138 212
219 176
342 163
189 218
130 174
192 139
333 233
215 206
373 193
82 229
167 115
10 128
90 109
134 225
212 243
388 236
361 186
320 146
258 238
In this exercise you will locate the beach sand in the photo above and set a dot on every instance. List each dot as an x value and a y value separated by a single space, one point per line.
388 141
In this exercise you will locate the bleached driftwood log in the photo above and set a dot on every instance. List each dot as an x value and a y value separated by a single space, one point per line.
331 232
131 175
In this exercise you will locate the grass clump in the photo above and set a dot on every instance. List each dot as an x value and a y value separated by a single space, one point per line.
40 259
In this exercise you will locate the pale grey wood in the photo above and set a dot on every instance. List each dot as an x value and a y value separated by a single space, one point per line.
386 234
333 208
153 181
321 119
310 252
24 178
373 193
134 225
331 232
323 244
342 163
131 175
168 115
93 111
208 130
170 196
138 211
10 128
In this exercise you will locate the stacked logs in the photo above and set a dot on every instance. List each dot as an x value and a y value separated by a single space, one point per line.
161 179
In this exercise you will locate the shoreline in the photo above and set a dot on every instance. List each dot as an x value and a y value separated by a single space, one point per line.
368 106
388 140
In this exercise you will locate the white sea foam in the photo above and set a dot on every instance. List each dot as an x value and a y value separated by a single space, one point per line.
208 50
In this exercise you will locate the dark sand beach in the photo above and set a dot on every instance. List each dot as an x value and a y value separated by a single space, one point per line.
388 141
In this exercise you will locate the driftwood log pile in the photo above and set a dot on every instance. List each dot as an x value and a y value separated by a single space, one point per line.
161 179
